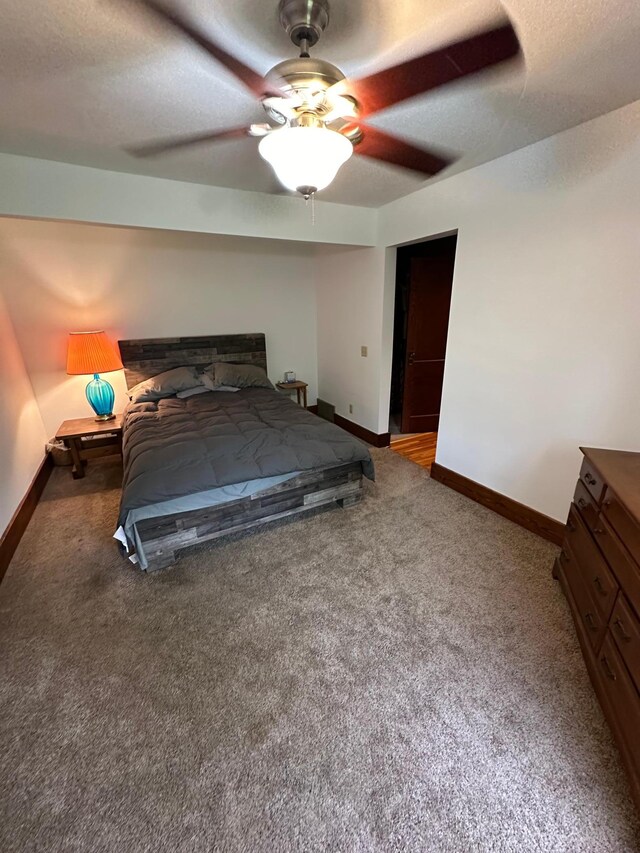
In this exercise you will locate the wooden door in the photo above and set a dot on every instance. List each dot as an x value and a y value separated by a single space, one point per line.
430 282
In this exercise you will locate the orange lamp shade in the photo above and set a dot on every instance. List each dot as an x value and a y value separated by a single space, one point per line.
91 352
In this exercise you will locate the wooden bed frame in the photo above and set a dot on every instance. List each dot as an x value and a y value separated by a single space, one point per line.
163 537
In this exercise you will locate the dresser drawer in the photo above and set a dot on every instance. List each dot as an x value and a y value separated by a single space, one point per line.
586 504
626 528
621 704
619 559
595 572
592 480
593 623
625 629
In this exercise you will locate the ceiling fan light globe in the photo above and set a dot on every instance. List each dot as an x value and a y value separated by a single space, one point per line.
305 156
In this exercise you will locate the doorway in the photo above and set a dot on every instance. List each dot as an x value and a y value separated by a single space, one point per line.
424 279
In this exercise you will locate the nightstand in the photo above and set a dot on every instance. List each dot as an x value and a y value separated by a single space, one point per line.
84 435
299 387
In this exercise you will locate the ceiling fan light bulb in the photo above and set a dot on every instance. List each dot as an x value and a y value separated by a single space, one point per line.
305 156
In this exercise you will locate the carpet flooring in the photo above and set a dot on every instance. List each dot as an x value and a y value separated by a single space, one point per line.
399 676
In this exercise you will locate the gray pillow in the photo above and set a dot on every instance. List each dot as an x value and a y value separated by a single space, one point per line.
165 384
191 392
204 389
237 375
210 384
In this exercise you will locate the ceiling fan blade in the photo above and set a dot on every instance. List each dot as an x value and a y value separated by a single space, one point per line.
382 146
419 75
163 145
251 79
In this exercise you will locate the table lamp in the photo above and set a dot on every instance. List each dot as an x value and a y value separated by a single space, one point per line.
93 352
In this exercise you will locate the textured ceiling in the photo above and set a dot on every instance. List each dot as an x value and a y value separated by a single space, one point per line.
83 78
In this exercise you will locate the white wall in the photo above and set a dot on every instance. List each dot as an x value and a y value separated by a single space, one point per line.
134 283
543 352
352 312
22 433
44 189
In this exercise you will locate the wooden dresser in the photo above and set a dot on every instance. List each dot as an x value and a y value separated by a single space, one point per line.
599 569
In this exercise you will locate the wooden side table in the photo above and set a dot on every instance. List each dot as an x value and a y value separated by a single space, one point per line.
299 387
101 433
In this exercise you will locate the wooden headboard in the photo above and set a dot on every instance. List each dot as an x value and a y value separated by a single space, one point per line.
145 358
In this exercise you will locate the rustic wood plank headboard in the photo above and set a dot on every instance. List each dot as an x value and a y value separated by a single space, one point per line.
145 358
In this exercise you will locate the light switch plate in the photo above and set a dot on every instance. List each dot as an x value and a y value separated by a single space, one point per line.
363 352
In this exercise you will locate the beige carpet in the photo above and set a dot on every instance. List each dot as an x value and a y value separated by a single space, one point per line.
401 676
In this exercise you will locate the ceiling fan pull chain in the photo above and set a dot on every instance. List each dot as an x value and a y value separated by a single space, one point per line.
313 206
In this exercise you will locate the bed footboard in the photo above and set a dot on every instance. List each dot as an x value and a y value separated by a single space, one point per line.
163 538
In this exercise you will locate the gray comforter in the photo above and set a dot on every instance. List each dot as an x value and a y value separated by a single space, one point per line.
174 447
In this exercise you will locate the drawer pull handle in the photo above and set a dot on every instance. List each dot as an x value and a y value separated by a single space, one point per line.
599 531
607 667
582 502
591 621
598 584
571 526
589 479
621 631
607 502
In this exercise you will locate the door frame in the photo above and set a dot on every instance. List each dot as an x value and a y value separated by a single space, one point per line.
389 316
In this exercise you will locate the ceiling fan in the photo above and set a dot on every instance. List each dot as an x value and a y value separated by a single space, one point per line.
316 116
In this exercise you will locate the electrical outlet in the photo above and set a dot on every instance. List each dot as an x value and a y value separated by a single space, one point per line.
350 408
363 352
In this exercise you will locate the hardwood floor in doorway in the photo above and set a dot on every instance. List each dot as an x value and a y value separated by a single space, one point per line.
419 448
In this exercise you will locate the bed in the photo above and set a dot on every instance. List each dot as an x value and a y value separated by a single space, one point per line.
217 463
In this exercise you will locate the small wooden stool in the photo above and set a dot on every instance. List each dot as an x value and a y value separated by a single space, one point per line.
73 431
299 387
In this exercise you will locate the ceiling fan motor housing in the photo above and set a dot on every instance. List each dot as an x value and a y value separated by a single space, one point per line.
305 73
308 80
304 20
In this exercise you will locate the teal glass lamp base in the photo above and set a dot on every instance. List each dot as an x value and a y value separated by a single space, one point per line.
101 397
